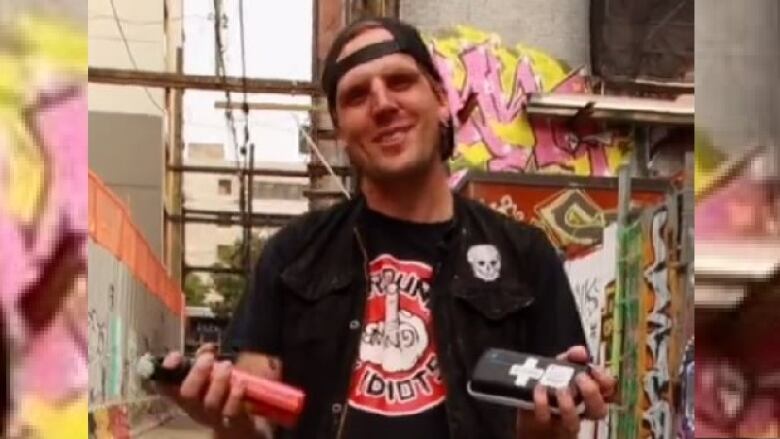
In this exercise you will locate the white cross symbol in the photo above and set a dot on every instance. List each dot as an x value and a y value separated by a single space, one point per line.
526 372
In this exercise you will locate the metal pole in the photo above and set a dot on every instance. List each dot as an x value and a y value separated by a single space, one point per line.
624 194
248 225
145 78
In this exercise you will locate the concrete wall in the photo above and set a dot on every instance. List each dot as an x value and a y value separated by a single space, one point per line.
737 72
558 27
125 151
125 126
126 320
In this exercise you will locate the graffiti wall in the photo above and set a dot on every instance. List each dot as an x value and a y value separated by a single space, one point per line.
572 210
593 281
487 87
134 308
590 277
627 334
633 338
656 329
43 223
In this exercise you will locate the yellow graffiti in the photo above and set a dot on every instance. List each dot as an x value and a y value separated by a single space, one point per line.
549 71
53 45
512 141
35 54
25 170
102 425
41 47
708 161
63 421
518 132
475 153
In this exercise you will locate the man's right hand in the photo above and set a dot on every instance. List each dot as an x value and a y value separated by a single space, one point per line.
209 397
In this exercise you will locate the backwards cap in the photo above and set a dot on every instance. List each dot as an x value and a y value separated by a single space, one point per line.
406 40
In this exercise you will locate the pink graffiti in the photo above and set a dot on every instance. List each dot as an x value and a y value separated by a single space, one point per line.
63 130
57 363
555 143
741 208
51 251
483 78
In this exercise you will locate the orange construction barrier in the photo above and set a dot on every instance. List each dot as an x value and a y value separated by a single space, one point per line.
111 227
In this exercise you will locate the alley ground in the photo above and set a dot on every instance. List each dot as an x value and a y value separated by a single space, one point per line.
180 427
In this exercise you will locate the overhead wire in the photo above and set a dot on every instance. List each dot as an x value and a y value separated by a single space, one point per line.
121 30
313 145
242 159
248 155
222 74
137 22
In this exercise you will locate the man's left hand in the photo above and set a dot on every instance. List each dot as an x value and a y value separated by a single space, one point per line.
597 389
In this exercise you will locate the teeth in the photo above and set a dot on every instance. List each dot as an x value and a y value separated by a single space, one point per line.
392 137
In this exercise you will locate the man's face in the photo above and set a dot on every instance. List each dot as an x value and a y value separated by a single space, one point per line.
388 113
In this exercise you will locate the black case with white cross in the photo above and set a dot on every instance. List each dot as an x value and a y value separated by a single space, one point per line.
509 378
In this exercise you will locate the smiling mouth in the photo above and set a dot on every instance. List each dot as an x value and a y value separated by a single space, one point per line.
391 137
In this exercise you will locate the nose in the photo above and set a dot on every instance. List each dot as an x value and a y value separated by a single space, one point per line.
383 103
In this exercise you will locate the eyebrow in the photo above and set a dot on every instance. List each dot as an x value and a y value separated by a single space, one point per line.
384 73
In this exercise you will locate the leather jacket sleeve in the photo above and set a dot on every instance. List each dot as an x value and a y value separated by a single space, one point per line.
256 325
555 323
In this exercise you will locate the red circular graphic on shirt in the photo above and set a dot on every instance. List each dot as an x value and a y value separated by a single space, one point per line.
397 370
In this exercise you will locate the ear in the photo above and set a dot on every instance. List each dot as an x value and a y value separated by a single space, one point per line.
444 104
341 140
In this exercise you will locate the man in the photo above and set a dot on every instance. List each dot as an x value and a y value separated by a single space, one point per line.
379 308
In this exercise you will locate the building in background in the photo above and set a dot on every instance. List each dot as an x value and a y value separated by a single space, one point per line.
278 198
127 124
558 27
272 43
135 304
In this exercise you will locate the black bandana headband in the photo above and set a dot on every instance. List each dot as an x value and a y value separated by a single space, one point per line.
406 40
366 54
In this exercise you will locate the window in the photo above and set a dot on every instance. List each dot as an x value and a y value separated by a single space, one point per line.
224 187
277 191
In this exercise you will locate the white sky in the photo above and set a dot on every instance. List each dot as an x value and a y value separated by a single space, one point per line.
278 44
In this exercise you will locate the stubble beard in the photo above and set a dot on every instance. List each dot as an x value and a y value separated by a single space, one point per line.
413 170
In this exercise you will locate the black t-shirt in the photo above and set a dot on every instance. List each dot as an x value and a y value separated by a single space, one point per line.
259 323
396 390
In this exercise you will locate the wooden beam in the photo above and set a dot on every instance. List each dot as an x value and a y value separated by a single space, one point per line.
213 269
650 86
101 75
231 218
266 106
612 108
240 171
314 168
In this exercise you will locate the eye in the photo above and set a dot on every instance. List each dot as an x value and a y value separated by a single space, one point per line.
401 81
354 96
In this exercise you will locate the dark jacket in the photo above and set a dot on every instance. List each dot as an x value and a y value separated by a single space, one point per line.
308 293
